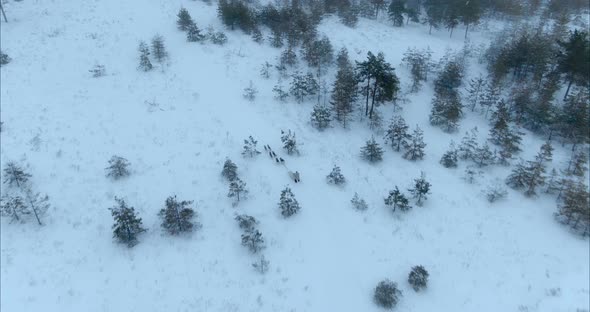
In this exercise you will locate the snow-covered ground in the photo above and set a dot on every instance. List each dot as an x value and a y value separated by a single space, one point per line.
509 256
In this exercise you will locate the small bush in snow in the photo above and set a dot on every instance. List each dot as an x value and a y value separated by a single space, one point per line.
496 192
250 147
250 92
421 189
372 152
14 207
230 170
246 222
450 158
261 265
253 241
335 177
280 94
397 199
158 49
218 37
358 203
418 278
387 294
118 168
320 117
144 57
289 142
288 204
194 34
4 59
471 174
98 71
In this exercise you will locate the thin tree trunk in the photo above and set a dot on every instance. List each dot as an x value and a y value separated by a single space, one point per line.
373 100
3 14
466 29
568 89
367 104
430 30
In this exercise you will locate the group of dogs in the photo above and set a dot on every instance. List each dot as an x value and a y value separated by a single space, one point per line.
280 160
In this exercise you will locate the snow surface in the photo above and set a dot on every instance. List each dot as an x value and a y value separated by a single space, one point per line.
509 256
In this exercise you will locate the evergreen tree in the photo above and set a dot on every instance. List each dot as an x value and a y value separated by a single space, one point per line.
303 86
253 241
418 278
475 92
250 148
230 170
573 59
280 94
502 134
319 54
574 210
547 151
387 295
288 58
335 177
289 142
185 21
397 134
358 203
38 204
434 14
397 199
261 266
382 82
469 145
490 97
419 63
16 176
344 91
414 149
4 59
446 111
194 34
144 60
288 204
127 225
265 70
528 176
471 174
575 117
421 189
246 222
469 12
450 158
396 10
483 156
158 49
372 152
321 117
177 216
495 192
554 182
237 190
250 92
13 207
236 13
118 168
577 164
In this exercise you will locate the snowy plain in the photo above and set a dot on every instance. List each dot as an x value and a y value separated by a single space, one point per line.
506 256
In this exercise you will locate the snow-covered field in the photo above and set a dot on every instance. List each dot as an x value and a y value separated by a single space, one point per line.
507 256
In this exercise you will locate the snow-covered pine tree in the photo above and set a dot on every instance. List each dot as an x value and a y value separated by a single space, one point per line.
472 174
16 176
358 203
335 177
299 89
288 204
387 294
446 111
344 89
194 34
502 134
250 148
280 94
246 222
118 168
4 59
421 189
495 192
184 19
418 278
144 57
414 149
554 182
490 97
38 204
320 117
483 156
177 216
250 92
289 142
528 177
127 225
450 158
237 190
574 209
265 70
397 199
158 49
253 241
288 58
475 91
230 170
397 133
547 151
13 207
261 265
469 144
372 152
577 164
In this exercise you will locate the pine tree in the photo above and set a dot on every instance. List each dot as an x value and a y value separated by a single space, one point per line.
574 118
280 94
158 49
387 295
127 225
450 158
289 142
38 204
574 209
382 84
288 58
577 164
253 241
396 10
300 87
144 60
319 54
250 148
397 134
547 151
265 70
288 204
4 59
573 59
358 203
490 97
372 152
419 62
446 111
475 92
344 91
471 174
335 177
246 222
502 134
230 170
554 183
469 144
483 156
185 20
177 216
397 199
16 176
495 192
250 92
320 117
13 207
194 34
418 278
528 176
261 266
414 149
421 189
118 168
237 190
